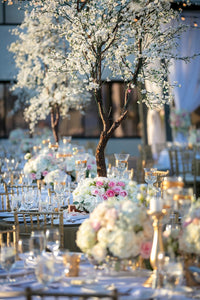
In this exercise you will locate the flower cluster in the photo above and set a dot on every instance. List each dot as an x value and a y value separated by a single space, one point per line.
180 120
189 240
91 191
118 228
45 161
194 136
56 176
37 167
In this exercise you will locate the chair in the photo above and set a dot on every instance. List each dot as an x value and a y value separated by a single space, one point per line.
160 177
190 168
175 161
5 201
56 295
9 236
13 295
38 221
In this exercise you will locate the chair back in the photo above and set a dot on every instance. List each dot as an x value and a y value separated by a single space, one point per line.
9 236
39 221
5 201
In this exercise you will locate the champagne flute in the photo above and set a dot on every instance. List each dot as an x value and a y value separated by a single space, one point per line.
7 258
53 240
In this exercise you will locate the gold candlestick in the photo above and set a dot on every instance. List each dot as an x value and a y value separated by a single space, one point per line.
157 247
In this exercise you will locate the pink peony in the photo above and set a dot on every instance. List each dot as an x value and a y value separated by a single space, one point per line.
110 193
145 250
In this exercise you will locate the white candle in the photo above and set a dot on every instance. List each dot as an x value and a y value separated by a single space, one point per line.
156 204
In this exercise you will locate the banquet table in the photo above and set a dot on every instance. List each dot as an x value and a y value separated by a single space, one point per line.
129 284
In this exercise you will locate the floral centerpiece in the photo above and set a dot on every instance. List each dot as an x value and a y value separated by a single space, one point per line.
189 241
56 176
194 136
37 167
90 191
116 228
180 123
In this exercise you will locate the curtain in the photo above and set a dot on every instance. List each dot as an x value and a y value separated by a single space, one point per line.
187 97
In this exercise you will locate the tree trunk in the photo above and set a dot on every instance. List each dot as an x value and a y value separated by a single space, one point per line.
55 117
100 155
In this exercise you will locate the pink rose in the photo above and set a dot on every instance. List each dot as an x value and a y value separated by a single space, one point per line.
44 173
111 184
96 225
110 193
121 183
117 190
89 167
104 197
33 176
123 193
145 250
187 222
95 192
99 183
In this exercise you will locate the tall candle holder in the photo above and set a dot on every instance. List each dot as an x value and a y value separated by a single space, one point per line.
155 279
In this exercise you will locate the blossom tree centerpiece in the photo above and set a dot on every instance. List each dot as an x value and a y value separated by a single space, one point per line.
41 91
131 40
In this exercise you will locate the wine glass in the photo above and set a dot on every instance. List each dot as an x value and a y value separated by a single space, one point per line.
37 243
80 166
150 176
49 269
7 258
53 240
121 162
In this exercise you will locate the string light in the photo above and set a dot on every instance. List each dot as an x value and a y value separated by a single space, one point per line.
195 24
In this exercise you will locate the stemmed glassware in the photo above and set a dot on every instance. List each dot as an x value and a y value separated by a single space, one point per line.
7 258
50 269
80 166
53 240
37 243
121 162
150 176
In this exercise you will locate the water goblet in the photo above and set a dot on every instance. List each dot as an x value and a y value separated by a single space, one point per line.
7 258
173 273
150 176
37 243
121 162
53 240
49 269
